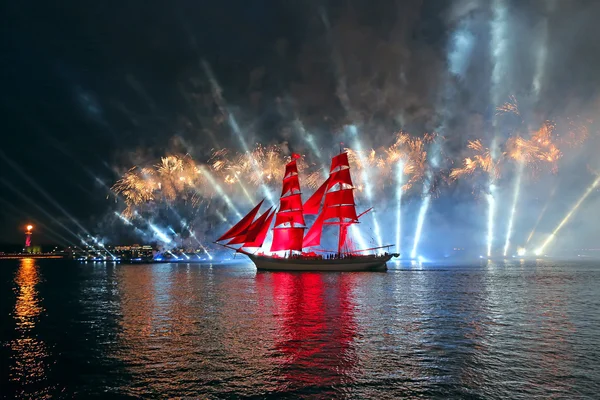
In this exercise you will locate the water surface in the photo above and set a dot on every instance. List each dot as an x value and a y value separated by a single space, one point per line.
520 330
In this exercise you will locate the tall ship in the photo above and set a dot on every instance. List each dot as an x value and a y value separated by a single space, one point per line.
295 246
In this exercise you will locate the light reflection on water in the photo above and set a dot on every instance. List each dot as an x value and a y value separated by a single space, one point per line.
30 353
493 330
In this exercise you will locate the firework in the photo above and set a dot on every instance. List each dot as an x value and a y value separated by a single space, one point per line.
541 148
481 160
510 107
175 177
406 149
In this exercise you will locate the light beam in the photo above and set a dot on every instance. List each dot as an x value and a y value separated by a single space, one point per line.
516 192
367 180
399 182
589 190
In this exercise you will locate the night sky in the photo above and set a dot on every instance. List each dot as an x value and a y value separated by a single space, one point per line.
90 89
88 82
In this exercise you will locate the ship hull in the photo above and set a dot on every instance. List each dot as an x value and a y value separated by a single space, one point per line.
361 263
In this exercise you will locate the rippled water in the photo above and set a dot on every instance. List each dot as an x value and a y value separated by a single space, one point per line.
169 330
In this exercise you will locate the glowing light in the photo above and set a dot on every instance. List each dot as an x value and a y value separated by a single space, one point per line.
164 238
399 179
516 192
206 252
491 215
499 29
357 235
537 222
420 220
463 43
122 218
521 252
589 190
217 94
29 227
220 190
366 179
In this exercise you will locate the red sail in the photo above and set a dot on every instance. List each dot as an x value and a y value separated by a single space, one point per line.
290 184
242 226
292 217
287 239
339 197
292 202
341 160
290 168
253 229
313 236
341 176
262 233
341 212
313 204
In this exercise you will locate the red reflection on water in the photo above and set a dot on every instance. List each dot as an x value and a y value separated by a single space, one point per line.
317 329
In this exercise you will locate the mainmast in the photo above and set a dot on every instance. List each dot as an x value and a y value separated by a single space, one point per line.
338 208
289 225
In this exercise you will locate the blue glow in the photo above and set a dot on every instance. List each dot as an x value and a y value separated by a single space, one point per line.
420 221
399 182
462 44
513 210
367 180
164 238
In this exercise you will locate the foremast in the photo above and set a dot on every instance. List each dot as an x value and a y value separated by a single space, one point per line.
288 230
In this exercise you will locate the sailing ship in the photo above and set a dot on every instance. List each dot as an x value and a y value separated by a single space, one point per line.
332 203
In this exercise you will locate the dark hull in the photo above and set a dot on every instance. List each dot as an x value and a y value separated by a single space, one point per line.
359 263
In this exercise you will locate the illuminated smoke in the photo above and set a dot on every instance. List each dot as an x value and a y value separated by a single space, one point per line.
516 192
540 250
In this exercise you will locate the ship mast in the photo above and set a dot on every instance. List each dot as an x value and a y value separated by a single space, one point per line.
288 230
338 208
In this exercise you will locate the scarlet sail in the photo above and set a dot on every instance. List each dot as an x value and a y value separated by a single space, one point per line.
262 233
287 239
313 204
291 217
253 230
339 203
289 220
341 160
333 203
241 227
290 184
340 176
344 196
291 202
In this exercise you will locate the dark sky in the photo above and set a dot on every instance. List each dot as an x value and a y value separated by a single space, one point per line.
86 81
91 88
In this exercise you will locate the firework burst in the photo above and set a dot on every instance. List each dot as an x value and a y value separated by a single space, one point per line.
481 160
